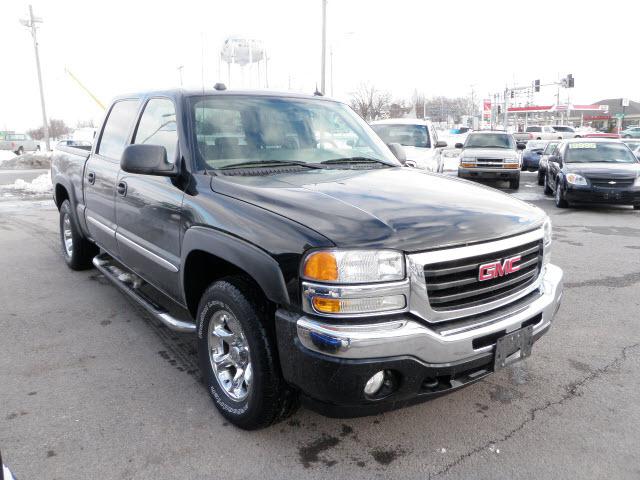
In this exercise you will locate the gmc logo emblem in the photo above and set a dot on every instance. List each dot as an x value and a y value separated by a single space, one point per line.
489 271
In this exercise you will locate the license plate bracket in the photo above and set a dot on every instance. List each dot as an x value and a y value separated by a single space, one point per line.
513 347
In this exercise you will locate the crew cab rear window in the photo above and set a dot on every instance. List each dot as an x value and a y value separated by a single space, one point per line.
534 129
158 126
116 129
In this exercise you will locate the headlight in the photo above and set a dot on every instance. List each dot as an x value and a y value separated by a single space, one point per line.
547 238
467 162
575 179
547 232
353 266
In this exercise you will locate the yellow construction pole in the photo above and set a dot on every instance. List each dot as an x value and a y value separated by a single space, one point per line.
95 99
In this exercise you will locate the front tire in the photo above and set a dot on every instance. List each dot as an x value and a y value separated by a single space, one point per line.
238 356
76 250
559 196
540 178
514 184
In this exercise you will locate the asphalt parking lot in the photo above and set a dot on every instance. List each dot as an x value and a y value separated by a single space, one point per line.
91 387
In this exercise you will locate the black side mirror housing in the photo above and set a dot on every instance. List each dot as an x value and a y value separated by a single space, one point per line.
441 144
556 159
521 146
398 151
459 145
147 160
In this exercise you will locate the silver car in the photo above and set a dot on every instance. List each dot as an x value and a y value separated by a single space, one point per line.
18 143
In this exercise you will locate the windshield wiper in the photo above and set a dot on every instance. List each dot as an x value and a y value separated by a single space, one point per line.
356 160
278 163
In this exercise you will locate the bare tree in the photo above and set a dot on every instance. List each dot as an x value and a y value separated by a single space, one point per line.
57 129
86 123
369 102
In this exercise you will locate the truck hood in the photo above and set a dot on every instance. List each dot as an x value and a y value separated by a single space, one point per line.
397 208
613 170
503 153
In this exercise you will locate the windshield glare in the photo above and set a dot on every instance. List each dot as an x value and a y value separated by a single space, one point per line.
237 129
405 135
490 140
591 152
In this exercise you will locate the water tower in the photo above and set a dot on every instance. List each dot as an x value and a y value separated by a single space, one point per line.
245 52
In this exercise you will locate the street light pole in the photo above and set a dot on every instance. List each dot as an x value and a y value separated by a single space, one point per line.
31 24
323 63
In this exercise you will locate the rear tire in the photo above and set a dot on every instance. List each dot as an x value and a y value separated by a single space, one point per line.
559 196
627 136
238 356
20 151
76 250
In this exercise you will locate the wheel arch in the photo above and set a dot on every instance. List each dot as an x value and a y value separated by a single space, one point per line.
209 254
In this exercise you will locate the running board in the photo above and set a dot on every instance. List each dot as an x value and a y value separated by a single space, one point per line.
130 284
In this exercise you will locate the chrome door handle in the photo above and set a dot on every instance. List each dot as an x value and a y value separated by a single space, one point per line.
91 178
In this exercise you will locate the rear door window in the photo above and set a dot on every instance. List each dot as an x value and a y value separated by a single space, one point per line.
116 130
158 126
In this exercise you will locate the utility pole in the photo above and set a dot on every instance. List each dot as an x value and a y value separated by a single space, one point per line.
31 24
182 66
506 108
323 62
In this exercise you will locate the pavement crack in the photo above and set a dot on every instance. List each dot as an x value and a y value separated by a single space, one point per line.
572 391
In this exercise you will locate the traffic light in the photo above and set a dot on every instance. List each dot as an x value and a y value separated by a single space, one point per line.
570 81
499 110
536 85
512 94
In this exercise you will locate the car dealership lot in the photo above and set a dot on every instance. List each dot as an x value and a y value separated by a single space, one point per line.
94 388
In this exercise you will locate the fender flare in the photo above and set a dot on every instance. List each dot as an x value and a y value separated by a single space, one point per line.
75 205
263 268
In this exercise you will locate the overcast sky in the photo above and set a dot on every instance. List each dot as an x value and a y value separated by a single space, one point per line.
436 47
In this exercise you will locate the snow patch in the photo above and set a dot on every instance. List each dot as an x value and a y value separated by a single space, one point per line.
40 184
6 155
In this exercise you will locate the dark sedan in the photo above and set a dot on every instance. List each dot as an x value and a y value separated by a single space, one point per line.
531 155
544 160
593 171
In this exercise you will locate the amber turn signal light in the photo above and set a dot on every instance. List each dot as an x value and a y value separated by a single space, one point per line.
321 266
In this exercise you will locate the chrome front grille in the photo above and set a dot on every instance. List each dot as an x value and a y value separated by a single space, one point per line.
611 182
455 284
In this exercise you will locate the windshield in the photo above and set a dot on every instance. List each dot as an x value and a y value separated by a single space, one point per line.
490 140
238 129
592 152
563 129
551 148
406 135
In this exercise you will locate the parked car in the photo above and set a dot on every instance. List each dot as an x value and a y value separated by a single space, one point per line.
490 155
630 132
532 153
543 132
634 145
418 138
594 171
544 159
306 269
565 132
18 143
82 144
601 135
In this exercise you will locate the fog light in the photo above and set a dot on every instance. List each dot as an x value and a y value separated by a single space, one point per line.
374 384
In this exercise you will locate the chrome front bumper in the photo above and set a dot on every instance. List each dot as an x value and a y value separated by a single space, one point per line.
442 344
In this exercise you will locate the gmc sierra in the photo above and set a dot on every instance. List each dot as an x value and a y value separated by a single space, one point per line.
308 267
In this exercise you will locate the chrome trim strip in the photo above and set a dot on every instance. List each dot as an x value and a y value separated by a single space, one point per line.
416 262
147 254
105 228
310 290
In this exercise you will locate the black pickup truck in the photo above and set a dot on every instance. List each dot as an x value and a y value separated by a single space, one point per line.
310 263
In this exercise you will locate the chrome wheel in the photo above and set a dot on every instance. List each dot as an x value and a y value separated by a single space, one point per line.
229 355
67 235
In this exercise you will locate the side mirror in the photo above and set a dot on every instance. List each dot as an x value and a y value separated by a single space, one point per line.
556 159
441 144
398 151
521 146
459 145
147 160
